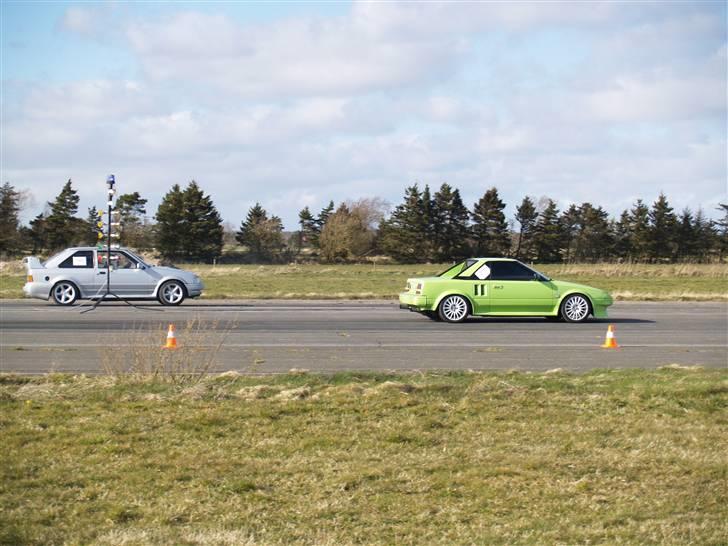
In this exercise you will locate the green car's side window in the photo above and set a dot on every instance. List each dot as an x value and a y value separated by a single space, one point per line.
510 271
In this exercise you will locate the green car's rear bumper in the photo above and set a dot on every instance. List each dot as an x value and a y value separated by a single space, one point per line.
413 302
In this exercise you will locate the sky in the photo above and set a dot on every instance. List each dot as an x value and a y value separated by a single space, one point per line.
293 104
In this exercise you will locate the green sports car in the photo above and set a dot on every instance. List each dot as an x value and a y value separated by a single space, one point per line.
501 287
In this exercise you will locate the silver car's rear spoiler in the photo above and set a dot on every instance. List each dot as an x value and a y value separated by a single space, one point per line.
31 262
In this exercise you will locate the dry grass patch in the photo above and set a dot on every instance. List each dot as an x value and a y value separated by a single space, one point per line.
690 282
609 457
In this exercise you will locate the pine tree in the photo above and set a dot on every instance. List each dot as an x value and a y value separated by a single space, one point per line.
9 221
639 218
309 233
570 221
403 235
172 229
526 217
662 230
62 227
722 232
489 230
707 239
131 207
91 230
621 236
262 235
427 220
204 224
594 240
132 210
323 216
450 225
39 233
686 236
548 235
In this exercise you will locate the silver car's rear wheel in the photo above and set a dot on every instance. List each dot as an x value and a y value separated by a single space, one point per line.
171 293
453 309
65 293
575 308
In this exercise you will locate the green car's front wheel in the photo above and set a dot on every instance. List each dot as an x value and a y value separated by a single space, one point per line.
575 308
453 309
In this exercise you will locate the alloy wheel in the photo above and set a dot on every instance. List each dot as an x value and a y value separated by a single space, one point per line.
172 293
454 309
575 308
64 293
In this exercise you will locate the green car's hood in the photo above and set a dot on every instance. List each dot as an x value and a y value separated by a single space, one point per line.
565 286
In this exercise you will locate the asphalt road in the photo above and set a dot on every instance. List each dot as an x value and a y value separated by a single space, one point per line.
276 336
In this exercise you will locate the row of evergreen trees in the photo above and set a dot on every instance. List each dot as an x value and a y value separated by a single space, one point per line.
438 227
425 227
187 226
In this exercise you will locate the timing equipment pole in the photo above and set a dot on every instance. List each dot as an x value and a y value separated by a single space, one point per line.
110 181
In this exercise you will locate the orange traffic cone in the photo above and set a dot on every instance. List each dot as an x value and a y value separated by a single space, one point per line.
610 342
171 339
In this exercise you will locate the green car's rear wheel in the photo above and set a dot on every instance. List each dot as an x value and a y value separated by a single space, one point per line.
432 315
575 308
453 309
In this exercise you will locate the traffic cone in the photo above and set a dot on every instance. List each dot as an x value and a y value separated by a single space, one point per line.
610 341
171 339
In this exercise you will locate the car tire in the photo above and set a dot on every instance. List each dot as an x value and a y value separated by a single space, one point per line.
453 309
64 293
575 308
432 315
171 293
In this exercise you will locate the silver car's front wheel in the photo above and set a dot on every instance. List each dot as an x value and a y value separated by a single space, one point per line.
453 309
171 293
575 308
65 293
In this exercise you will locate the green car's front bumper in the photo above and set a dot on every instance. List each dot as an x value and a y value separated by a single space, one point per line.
413 302
599 306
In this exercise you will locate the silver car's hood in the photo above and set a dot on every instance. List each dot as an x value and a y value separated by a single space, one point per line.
164 271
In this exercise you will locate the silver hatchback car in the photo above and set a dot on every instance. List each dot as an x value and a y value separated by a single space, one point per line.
81 273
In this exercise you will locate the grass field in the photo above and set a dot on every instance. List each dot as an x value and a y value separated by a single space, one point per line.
699 282
610 457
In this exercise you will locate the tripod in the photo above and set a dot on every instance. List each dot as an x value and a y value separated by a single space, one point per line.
110 181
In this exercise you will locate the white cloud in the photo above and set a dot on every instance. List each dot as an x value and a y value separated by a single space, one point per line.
82 21
287 58
299 111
